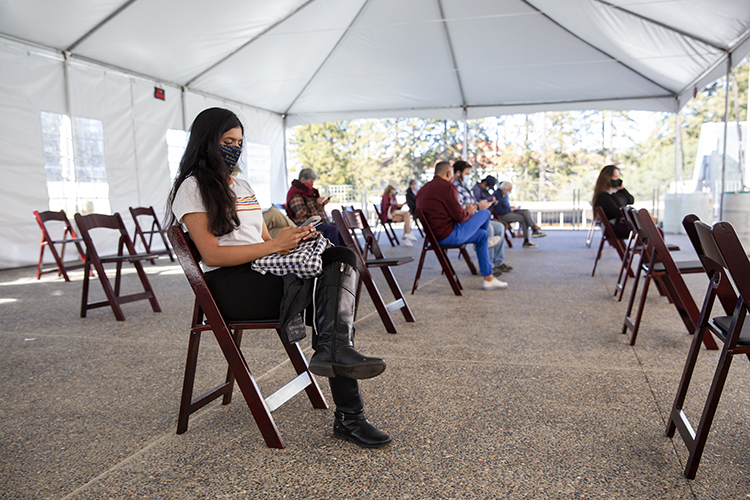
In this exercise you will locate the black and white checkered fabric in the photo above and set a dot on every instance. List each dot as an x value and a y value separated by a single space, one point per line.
304 260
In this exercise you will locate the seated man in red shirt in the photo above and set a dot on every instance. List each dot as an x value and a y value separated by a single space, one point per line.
453 225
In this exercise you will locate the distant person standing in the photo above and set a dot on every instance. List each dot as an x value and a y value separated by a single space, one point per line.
507 213
610 194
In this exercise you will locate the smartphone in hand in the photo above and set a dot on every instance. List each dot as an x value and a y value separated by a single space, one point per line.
313 221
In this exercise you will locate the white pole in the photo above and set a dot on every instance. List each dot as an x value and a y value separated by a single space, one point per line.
726 123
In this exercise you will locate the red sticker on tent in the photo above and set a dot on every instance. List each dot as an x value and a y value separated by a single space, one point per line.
159 93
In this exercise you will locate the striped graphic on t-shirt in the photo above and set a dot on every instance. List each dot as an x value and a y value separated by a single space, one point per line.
247 203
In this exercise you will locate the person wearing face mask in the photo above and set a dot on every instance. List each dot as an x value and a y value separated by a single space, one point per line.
496 229
390 211
610 194
223 216
303 201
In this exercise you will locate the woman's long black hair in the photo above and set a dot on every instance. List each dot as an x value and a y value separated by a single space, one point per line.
202 160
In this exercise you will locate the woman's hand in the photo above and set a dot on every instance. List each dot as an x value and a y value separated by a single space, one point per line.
289 237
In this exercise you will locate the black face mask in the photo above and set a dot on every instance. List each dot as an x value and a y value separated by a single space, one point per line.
616 183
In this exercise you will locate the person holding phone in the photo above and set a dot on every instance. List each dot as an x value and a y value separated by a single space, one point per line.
222 215
303 201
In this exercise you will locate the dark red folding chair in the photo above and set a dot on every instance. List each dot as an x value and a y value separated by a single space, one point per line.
387 227
608 236
656 263
348 224
155 229
87 223
207 317
441 253
68 236
726 261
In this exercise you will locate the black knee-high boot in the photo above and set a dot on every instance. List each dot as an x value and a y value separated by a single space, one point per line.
350 421
333 303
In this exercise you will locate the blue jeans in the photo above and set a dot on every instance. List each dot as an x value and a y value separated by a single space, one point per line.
474 231
497 253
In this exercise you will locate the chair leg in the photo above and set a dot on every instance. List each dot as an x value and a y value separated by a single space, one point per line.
469 263
380 306
230 376
450 273
188 382
635 324
397 293
419 267
598 254
300 366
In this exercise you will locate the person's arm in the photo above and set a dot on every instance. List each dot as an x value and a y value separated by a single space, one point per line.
609 205
454 208
629 200
298 208
215 255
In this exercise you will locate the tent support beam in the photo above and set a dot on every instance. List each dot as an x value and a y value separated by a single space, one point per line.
252 40
453 56
662 25
724 149
98 26
546 16
314 75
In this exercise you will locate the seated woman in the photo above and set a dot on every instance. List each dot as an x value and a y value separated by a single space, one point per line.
223 217
390 211
610 194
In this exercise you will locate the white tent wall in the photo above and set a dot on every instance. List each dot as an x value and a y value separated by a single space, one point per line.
33 80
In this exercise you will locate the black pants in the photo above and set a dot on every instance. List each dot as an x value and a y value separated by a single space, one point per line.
244 294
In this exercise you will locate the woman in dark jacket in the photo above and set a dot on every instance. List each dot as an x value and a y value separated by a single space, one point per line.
610 194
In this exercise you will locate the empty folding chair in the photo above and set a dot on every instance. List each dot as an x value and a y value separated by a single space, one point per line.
112 222
155 229
726 261
441 253
69 236
656 263
206 317
348 223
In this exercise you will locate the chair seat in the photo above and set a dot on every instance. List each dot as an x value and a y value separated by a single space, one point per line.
722 323
682 265
393 261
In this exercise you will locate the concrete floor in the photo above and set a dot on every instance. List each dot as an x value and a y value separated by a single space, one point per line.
529 392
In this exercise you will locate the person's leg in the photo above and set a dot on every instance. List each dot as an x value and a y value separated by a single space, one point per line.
530 224
245 295
333 306
406 239
331 232
516 217
350 421
497 253
474 231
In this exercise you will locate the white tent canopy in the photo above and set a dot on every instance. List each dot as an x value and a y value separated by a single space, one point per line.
290 62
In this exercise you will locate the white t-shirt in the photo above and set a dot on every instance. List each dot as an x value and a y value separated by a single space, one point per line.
188 200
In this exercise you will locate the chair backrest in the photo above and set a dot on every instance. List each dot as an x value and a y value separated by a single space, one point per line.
735 258
347 224
188 257
609 232
88 222
46 216
356 220
711 264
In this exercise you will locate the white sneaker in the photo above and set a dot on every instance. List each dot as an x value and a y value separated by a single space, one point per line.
493 284
407 242
494 241
410 236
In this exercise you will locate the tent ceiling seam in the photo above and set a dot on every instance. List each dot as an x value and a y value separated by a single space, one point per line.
252 40
662 25
496 105
545 15
450 50
102 23
338 42
727 53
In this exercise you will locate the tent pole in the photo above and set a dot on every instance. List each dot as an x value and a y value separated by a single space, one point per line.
726 123
677 166
69 111
465 149
135 140
284 159
182 106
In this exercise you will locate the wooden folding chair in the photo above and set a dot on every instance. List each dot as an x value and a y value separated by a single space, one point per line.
725 260
206 317
633 247
415 219
69 236
348 223
656 264
608 235
387 227
155 229
441 253
114 222
508 232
